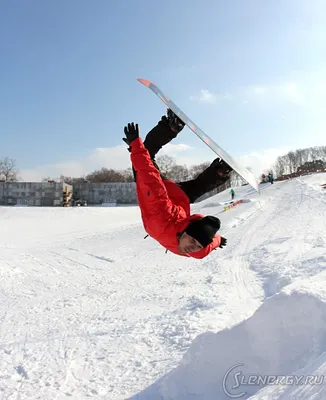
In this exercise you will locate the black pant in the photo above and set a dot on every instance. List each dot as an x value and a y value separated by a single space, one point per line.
205 182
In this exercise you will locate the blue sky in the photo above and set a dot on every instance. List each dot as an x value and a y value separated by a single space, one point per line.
251 74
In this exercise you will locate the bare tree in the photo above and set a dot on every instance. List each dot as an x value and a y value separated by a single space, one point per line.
318 153
296 161
300 157
292 162
279 166
8 170
236 179
72 180
179 173
195 170
128 175
323 153
285 164
105 175
166 165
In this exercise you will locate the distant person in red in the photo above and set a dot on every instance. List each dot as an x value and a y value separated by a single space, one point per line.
164 204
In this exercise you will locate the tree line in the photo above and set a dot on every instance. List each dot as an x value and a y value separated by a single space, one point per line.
284 165
168 168
293 160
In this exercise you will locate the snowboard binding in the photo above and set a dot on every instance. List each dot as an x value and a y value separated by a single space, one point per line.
222 168
174 122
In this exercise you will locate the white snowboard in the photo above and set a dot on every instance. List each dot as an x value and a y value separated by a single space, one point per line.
244 172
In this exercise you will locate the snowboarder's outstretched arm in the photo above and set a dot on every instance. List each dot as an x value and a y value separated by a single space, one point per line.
159 202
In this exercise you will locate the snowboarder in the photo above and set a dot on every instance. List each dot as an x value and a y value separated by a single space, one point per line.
232 192
164 204
271 178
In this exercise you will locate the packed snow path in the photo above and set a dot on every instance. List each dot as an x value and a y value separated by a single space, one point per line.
89 309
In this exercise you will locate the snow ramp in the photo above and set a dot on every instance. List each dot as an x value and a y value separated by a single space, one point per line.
277 353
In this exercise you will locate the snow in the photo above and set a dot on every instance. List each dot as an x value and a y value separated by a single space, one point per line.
91 309
283 335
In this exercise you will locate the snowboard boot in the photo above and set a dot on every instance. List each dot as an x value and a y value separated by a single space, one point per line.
215 175
174 122
221 167
166 130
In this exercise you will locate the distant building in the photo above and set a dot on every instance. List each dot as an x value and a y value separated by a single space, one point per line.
52 194
35 193
99 193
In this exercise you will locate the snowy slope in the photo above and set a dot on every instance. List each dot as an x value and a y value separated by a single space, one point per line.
284 335
89 309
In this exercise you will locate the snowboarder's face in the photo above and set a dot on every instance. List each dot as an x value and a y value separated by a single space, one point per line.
187 244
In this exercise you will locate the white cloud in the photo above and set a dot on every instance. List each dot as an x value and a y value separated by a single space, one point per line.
258 161
205 96
174 149
320 90
289 91
259 90
208 97
111 157
308 92
116 157
262 160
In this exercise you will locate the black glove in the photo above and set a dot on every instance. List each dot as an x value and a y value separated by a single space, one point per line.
131 132
223 242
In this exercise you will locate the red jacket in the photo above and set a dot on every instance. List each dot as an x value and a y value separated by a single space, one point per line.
165 208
